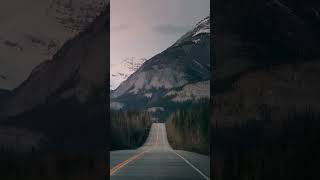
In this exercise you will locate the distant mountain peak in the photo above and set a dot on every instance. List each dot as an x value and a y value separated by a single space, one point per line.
124 70
201 28
177 75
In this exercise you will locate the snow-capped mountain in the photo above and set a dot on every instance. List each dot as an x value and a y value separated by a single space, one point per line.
64 77
66 95
174 76
32 32
121 71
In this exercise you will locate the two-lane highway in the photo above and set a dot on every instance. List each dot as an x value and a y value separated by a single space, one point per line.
157 160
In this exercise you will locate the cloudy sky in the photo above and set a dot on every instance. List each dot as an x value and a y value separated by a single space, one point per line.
144 28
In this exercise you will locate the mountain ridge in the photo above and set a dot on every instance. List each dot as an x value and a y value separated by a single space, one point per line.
64 98
186 63
44 26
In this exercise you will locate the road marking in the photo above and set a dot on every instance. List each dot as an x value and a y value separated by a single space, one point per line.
119 166
122 164
157 141
189 163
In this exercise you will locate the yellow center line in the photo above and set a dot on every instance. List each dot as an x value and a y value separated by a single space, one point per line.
122 164
119 166
157 141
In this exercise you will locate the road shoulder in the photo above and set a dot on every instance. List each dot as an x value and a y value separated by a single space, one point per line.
200 161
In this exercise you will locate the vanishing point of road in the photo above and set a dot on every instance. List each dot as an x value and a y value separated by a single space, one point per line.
156 160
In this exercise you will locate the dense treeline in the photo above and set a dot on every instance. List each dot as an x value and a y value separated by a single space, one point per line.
259 149
129 129
75 145
38 165
189 129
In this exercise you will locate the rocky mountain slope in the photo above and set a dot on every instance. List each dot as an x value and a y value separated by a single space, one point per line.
120 72
266 94
173 76
33 32
64 98
264 54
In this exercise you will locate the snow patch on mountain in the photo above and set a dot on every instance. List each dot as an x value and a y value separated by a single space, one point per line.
77 72
116 105
204 27
202 31
148 95
40 28
155 109
178 74
121 71
156 78
196 41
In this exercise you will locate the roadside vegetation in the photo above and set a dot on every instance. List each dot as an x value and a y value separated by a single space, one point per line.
262 149
189 129
129 130
37 165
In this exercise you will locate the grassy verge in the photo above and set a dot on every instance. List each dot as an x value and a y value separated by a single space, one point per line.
189 129
129 129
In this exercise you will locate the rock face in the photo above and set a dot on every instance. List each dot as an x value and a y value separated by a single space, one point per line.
265 90
273 32
194 91
76 71
266 59
171 73
120 72
33 32
274 94
75 15
64 98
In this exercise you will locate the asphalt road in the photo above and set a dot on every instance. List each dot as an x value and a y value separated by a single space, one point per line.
157 160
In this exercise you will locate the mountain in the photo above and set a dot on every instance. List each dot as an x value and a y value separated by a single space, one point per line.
63 99
121 71
267 55
174 76
266 90
33 32
273 32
